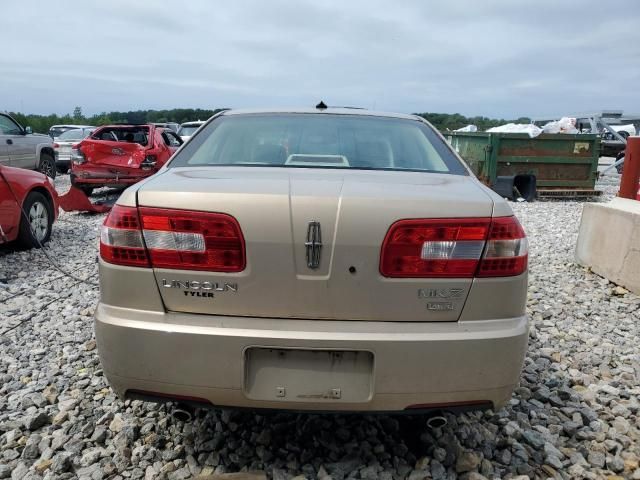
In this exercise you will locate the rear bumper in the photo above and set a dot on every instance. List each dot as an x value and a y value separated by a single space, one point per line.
98 176
63 158
417 365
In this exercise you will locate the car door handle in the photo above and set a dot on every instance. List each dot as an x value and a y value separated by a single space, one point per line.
9 141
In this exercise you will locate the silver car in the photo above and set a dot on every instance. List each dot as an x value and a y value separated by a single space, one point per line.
328 259
187 129
21 148
56 130
63 143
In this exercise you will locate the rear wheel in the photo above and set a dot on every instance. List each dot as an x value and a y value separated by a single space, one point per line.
36 221
47 165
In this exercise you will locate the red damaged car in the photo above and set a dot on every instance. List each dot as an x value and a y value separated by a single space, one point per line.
28 206
121 155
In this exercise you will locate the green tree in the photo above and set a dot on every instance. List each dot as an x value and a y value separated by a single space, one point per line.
77 114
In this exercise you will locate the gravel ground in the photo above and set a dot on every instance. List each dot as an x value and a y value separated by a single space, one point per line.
575 414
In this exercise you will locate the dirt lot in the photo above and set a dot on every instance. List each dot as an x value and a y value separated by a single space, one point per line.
575 414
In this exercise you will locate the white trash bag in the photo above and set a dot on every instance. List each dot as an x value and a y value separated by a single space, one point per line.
564 125
528 128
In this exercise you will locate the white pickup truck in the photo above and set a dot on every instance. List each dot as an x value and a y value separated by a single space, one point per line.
21 148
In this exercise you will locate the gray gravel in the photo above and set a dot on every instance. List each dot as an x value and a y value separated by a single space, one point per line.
575 414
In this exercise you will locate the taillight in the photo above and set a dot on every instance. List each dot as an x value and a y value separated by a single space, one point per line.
149 162
56 145
507 250
77 156
434 247
121 238
454 248
175 239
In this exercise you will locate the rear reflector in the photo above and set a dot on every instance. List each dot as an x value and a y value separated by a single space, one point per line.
173 239
454 248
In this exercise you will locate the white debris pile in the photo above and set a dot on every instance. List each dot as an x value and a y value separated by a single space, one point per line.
564 125
528 128
468 128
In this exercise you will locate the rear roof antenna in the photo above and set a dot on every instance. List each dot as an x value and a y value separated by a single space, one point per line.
321 106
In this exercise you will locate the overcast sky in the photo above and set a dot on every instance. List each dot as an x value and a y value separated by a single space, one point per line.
494 58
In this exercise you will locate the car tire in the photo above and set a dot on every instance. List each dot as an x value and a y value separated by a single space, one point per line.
63 169
47 165
36 221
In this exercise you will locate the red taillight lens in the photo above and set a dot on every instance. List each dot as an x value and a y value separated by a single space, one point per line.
193 240
56 145
454 248
506 253
121 238
434 248
175 239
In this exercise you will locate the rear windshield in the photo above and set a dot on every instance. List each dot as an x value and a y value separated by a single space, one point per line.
319 141
75 134
57 131
188 130
138 135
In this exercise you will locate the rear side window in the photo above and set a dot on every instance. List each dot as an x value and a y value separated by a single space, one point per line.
320 141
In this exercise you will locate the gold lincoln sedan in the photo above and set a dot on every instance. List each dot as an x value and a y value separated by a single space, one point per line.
314 259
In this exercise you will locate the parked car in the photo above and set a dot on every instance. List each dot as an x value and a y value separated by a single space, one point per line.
56 130
189 128
21 148
62 146
610 146
120 155
34 193
330 259
169 125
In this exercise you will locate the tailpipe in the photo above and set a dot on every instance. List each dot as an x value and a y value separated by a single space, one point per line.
182 413
437 421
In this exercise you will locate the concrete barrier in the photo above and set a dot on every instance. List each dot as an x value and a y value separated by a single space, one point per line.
609 241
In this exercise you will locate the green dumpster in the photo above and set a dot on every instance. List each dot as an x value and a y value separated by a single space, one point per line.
516 165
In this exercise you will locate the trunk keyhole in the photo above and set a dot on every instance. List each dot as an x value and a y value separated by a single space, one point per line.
352 269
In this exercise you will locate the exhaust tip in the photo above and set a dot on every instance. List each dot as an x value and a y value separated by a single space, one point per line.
182 413
436 421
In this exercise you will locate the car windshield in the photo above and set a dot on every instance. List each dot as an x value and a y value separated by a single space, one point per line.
188 130
76 134
320 141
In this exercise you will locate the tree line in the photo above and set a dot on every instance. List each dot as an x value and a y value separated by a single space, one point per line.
452 121
42 123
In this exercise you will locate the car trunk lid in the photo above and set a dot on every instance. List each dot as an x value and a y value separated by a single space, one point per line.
284 213
112 153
